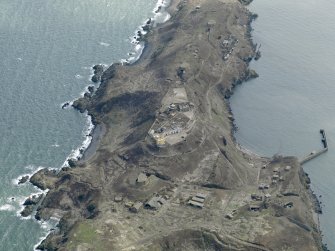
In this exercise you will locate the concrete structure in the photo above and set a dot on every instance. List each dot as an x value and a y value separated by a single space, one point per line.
288 168
128 204
197 199
201 195
155 203
174 120
263 186
315 154
142 178
256 197
229 216
254 208
196 204
118 198
136 207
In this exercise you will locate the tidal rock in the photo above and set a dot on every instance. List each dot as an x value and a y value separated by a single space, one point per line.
30 205
95 78
65 105
72 163
98 71
33 200
23 179
91 89
28 210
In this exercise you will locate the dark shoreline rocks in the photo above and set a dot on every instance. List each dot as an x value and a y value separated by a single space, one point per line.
245 2
23 180
41 179
65 105
31 204
98 71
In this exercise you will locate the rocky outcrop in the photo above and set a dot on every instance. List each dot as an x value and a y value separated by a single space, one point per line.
43 179
24 179
245 2
30 204
98 71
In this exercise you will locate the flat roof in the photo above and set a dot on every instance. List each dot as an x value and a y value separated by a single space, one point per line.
197 199
201 195
196 204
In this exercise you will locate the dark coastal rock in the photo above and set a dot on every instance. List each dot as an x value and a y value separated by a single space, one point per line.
55 239
98 71
72 163
139 36
87 95
109 73
24 179
146 27
95 79
81 104
158 9
316 203
91 89
33 200
251 74
28 210
30 204
41 179
258 55
65 105
245 2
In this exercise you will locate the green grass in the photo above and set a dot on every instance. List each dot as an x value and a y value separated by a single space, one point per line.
83 233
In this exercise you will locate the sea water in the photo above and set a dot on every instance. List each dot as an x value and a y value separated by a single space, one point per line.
47 50
283 110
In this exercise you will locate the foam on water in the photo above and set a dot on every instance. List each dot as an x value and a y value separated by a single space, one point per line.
77 153
104 44
33 169
48 227
7 207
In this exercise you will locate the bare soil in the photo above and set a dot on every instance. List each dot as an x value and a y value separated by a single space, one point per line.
210 41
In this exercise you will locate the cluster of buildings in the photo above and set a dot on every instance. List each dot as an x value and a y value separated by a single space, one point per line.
227 46
171 121
198 200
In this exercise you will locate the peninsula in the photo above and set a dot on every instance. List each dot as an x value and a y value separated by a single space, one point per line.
166 173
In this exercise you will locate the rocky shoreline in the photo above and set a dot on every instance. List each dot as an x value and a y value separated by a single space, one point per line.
214 58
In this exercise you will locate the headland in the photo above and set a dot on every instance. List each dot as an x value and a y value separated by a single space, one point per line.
167 173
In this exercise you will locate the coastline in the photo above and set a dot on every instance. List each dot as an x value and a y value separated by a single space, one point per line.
92 133
98 134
